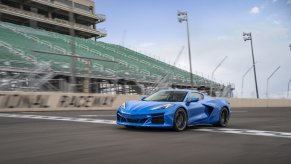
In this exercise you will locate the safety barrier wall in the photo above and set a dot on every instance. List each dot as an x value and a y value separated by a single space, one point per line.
48 101
260 102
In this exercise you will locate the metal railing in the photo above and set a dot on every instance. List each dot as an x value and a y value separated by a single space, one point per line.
45 19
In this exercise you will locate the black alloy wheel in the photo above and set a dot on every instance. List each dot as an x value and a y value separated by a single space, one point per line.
180 120
223 120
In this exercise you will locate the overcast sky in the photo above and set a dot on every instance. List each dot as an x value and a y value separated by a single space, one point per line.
216 28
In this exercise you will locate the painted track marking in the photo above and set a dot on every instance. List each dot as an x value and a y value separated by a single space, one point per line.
112 122
57 118
248 132
97 115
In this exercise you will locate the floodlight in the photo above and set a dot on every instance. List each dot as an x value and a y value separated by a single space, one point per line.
245 34
181 20
182 16
247 38
179 13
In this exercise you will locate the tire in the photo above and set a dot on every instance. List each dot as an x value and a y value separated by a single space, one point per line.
180 120
223 118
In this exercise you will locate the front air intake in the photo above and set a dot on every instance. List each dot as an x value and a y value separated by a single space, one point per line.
158 119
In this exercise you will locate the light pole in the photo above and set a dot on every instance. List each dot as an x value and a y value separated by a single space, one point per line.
242 79
288 88
267 92
212 74
248 36
183 17
73 48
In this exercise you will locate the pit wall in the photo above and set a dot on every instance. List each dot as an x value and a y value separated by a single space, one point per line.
48 101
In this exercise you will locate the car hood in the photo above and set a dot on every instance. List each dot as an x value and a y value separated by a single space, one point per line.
143 107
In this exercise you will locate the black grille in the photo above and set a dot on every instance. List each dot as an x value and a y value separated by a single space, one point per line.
141 121
120 118
158 119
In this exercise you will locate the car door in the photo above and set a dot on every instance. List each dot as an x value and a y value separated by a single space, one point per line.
196 111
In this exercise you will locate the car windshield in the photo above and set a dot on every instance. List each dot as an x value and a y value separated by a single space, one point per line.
167 96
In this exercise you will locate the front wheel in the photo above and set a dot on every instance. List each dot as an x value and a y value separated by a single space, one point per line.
223 119
180 120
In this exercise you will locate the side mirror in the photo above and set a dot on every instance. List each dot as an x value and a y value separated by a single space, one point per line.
142 97
193 99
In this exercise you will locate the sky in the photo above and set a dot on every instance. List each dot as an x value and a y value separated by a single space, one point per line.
216 27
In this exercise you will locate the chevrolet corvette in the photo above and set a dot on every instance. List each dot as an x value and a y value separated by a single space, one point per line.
176 109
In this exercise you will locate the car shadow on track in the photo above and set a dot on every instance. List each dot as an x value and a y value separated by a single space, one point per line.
163 130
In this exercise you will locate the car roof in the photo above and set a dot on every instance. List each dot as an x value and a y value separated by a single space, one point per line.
186 90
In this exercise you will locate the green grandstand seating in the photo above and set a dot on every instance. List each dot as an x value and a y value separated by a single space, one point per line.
130 63
8 60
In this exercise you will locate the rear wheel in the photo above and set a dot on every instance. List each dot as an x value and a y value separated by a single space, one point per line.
180 120
223 119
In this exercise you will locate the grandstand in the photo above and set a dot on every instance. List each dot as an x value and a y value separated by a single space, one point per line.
19 47
39 57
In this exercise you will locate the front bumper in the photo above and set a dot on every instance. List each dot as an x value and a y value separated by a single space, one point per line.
159 120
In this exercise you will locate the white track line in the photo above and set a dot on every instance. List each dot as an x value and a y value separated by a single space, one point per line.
97 115
248 132
57 118
112 122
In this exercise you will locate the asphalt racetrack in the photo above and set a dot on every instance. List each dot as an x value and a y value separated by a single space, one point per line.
254 135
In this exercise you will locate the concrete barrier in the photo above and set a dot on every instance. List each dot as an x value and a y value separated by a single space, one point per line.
56 101
48 101
260 102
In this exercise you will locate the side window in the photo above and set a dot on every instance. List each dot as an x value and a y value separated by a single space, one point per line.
197 95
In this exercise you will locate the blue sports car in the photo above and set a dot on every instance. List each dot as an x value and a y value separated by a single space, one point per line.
176 108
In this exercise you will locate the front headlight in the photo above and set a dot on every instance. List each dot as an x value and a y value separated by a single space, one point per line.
122 105
163 106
